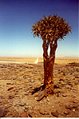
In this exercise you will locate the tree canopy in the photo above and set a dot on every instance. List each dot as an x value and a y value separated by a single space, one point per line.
51 28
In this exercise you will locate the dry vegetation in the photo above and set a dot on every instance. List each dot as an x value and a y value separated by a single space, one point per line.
17 81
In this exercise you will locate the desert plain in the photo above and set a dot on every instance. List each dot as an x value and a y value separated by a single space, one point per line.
18 78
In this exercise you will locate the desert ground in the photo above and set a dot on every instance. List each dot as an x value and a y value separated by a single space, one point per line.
18 78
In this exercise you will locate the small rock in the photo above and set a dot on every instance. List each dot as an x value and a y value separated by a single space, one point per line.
10 88
66 112
72 106
56 86
55 113
29 115
32 81
61 80
1 99
10 83
26 93
44 112
52 106
73 110
68 107
2 112
48 99
64 95
23 114
22 104
13 113
68 87
11 96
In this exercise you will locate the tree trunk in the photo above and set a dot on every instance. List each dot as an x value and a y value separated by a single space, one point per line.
48 87
48 75
48 66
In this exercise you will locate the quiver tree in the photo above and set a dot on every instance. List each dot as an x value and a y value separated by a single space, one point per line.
50 29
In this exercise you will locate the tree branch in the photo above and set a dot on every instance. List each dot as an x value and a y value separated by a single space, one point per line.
45 48
53 46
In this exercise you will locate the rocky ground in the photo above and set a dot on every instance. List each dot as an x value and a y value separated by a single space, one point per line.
17 81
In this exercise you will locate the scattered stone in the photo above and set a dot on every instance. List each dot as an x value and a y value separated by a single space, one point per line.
58 93
48 99
52 106
29 115
72 106
43 112
74 64
10 88
56 86
23 114
26 93
27 78
11 96
73 110
22 104
55 113
9 83
2 112
66 112
68 86
12 113
64 95
61 80
1 97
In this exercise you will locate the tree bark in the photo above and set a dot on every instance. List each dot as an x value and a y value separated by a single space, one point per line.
48 65
45 58
48 87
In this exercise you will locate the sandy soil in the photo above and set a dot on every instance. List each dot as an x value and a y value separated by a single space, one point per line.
17 81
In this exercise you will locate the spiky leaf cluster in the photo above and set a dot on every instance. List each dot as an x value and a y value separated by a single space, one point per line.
51 28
